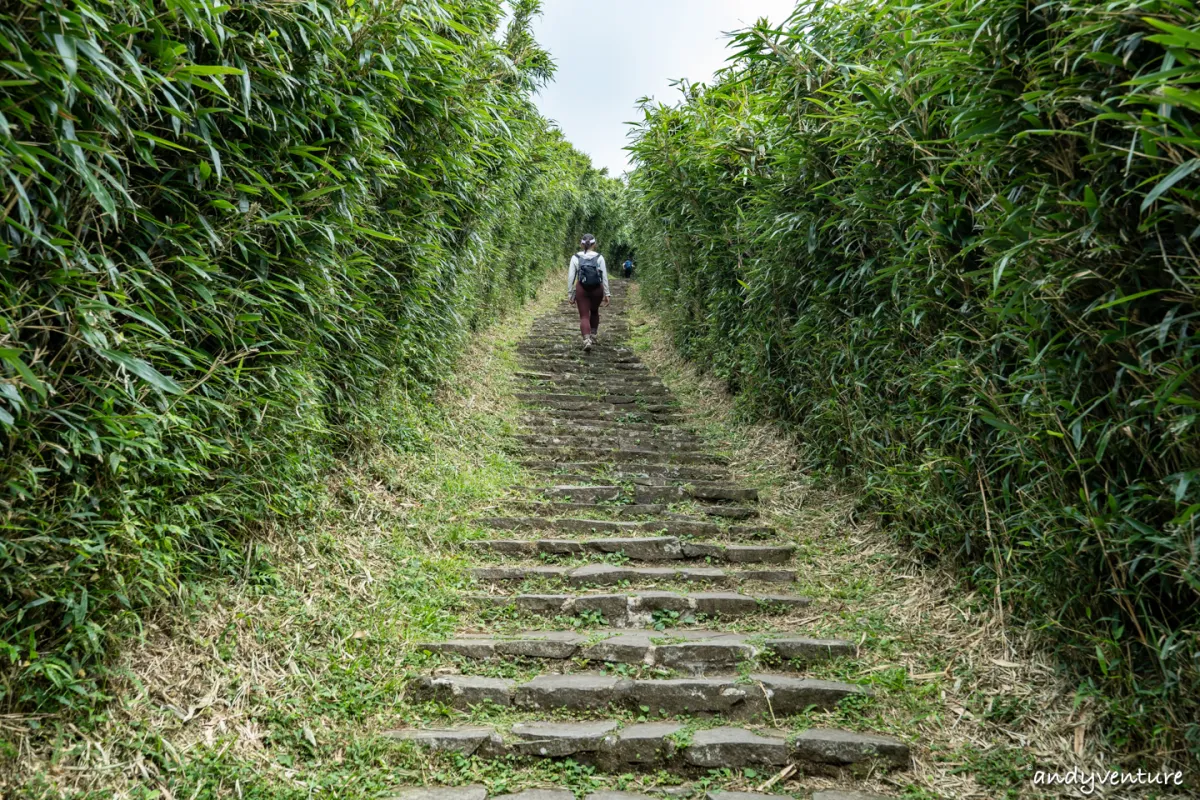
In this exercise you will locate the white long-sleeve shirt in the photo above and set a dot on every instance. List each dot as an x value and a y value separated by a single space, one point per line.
573 270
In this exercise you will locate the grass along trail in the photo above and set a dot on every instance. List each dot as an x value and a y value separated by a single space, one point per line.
290 682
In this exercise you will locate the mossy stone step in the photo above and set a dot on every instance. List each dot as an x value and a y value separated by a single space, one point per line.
692 652
571 440
608 575
658 510
625 455
761 696
675 527
645 548
584 424
664 745
622 471
639 608
696 490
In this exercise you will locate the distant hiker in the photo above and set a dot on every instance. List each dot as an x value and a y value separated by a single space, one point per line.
628 265
587 288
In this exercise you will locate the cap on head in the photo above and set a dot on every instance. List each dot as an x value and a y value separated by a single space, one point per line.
587 241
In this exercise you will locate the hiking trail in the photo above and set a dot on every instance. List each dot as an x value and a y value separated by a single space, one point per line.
634 526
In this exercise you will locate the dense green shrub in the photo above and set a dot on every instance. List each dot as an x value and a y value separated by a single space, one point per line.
238 241
955 246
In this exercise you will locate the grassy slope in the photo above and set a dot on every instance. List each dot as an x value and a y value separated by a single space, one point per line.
277 686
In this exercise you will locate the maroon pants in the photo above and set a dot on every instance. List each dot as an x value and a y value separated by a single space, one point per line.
588 300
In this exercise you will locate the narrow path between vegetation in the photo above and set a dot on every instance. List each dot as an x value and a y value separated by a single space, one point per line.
581 575
635 528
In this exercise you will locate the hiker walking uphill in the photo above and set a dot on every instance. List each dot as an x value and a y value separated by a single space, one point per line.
587 288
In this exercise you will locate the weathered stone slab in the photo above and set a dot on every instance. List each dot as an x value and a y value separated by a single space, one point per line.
646 743
790 695
552 644
542 603
613 607
799 648
584 494
506 547
715 604
558 739
649 602
467 648
578 692
559 547
594 525
447 740
516 574
659 548
600 575
538 794
472 792
618 796
833 746
463 691
744 796
700 656
630 648
734 747
838 794
705 575
690 695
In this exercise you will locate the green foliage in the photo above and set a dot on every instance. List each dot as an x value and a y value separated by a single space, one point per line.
954 245
238 241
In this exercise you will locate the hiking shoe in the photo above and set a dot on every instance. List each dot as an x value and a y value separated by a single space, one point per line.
587 343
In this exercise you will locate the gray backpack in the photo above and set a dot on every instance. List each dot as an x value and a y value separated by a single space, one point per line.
588 272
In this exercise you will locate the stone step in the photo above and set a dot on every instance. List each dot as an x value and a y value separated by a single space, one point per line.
642 609
609 575
649 548
622 471
697 490
602 394
628 406
645 442
542 422
615 353
612 413
761 695
636 434
585 383
624 456
607 398
583 494
656 745
643 548
676 527
636 510
575 366
692 652
639 433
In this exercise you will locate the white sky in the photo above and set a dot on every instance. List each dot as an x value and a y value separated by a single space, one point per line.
611 52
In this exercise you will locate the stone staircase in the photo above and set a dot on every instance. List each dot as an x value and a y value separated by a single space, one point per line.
630 559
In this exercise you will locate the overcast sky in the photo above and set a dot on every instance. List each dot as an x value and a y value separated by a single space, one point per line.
611 52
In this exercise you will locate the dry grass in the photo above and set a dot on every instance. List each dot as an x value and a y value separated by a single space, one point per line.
318 615
277 684
990 699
